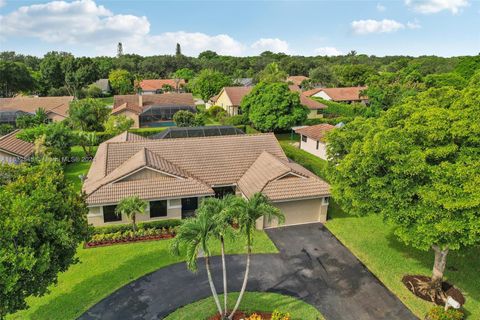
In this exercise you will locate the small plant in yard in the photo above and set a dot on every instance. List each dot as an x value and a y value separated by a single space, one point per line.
254 317
131 206
439 313
278 315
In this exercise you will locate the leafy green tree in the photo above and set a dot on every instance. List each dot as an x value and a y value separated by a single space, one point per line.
53 75
418 166
354 74
184 118
178 50
273 107
88 114
93 91
207 55
130 207
32 120
323 75
6 129
14 78
58 139
246 213
79 72
88 141
208 83
184 73
43 221
121 81
272 73
193 235
445 80
467 66
118 124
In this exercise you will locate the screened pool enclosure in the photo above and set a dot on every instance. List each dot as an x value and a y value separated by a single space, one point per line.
156 116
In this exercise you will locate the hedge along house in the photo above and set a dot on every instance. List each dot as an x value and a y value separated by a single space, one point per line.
152 110
230 99
173 175
56 108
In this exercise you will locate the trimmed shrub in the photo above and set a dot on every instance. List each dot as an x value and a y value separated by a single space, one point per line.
146 132
214 111
439 313
160 224
250 130
235 120
278 315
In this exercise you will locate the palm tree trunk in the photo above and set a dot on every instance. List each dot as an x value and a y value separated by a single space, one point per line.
212 286
134 226
224 266
245 278
438 267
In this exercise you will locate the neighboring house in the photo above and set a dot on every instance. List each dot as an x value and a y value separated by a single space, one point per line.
14 150
230 99
104 85
297 80
55 107
152 86
174 175
195 132
152 110
345 95
312 139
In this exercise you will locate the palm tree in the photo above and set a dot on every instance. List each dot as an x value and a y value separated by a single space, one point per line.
194 234
221 211
255 208
131 206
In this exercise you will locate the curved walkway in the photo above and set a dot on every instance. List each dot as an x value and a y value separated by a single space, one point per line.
312 265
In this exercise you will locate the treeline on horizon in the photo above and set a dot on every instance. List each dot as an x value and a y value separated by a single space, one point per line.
388 78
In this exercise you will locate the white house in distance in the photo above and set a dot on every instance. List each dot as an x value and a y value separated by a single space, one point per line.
312 139
345 95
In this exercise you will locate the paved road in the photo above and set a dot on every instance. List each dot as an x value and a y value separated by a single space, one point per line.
312 265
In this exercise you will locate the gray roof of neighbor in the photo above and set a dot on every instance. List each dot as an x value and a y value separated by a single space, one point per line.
11 144
193 132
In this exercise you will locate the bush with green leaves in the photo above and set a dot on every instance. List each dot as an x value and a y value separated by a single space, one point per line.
32 120
160 224
278 315
208 83
214 110
237 120
93 91
118 124
88 114
439 313
6 129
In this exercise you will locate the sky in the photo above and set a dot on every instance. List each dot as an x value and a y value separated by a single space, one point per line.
242 28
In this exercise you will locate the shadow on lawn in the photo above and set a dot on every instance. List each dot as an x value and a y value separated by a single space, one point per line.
462 269
92 290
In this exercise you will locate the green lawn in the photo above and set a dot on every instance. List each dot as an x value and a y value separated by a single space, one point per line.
74 169
108 101
103 270
373 242
252 301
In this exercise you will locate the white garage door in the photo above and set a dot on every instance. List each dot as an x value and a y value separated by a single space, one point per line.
300 211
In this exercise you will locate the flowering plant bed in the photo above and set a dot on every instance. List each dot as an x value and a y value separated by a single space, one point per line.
120 237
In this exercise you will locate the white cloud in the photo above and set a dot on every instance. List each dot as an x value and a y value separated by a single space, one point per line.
434 6
381 7
3 3
376 26
270 44
327 51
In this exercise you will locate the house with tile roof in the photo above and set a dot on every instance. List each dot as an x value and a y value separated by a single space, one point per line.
152 110
297 80
230 99
174 175
312 139
55 107
14 150
153 86
345 95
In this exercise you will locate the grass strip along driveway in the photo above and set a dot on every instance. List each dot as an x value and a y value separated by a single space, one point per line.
103 270
374 243
252 301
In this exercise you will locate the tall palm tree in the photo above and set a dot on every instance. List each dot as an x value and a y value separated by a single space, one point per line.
131 206
194 234
222 211
255 208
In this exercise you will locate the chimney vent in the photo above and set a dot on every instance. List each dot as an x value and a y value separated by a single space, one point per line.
140 100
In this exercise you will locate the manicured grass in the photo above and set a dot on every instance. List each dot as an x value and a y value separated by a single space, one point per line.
74 169
374 243
103 270
108 101
252 301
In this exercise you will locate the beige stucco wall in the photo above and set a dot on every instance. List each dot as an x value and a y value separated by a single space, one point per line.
174 211
146 174
311 147
224 101
298 212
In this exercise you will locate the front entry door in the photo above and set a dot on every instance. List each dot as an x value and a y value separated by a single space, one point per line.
189 205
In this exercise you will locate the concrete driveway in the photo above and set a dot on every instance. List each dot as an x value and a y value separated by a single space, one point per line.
312 265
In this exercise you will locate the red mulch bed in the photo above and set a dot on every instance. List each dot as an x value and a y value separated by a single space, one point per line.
124 241
239 315
412 284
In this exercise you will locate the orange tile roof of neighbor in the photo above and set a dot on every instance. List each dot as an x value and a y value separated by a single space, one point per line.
297 80
157 84
316 132
9 143
132 101
340 94
58 105
193 166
